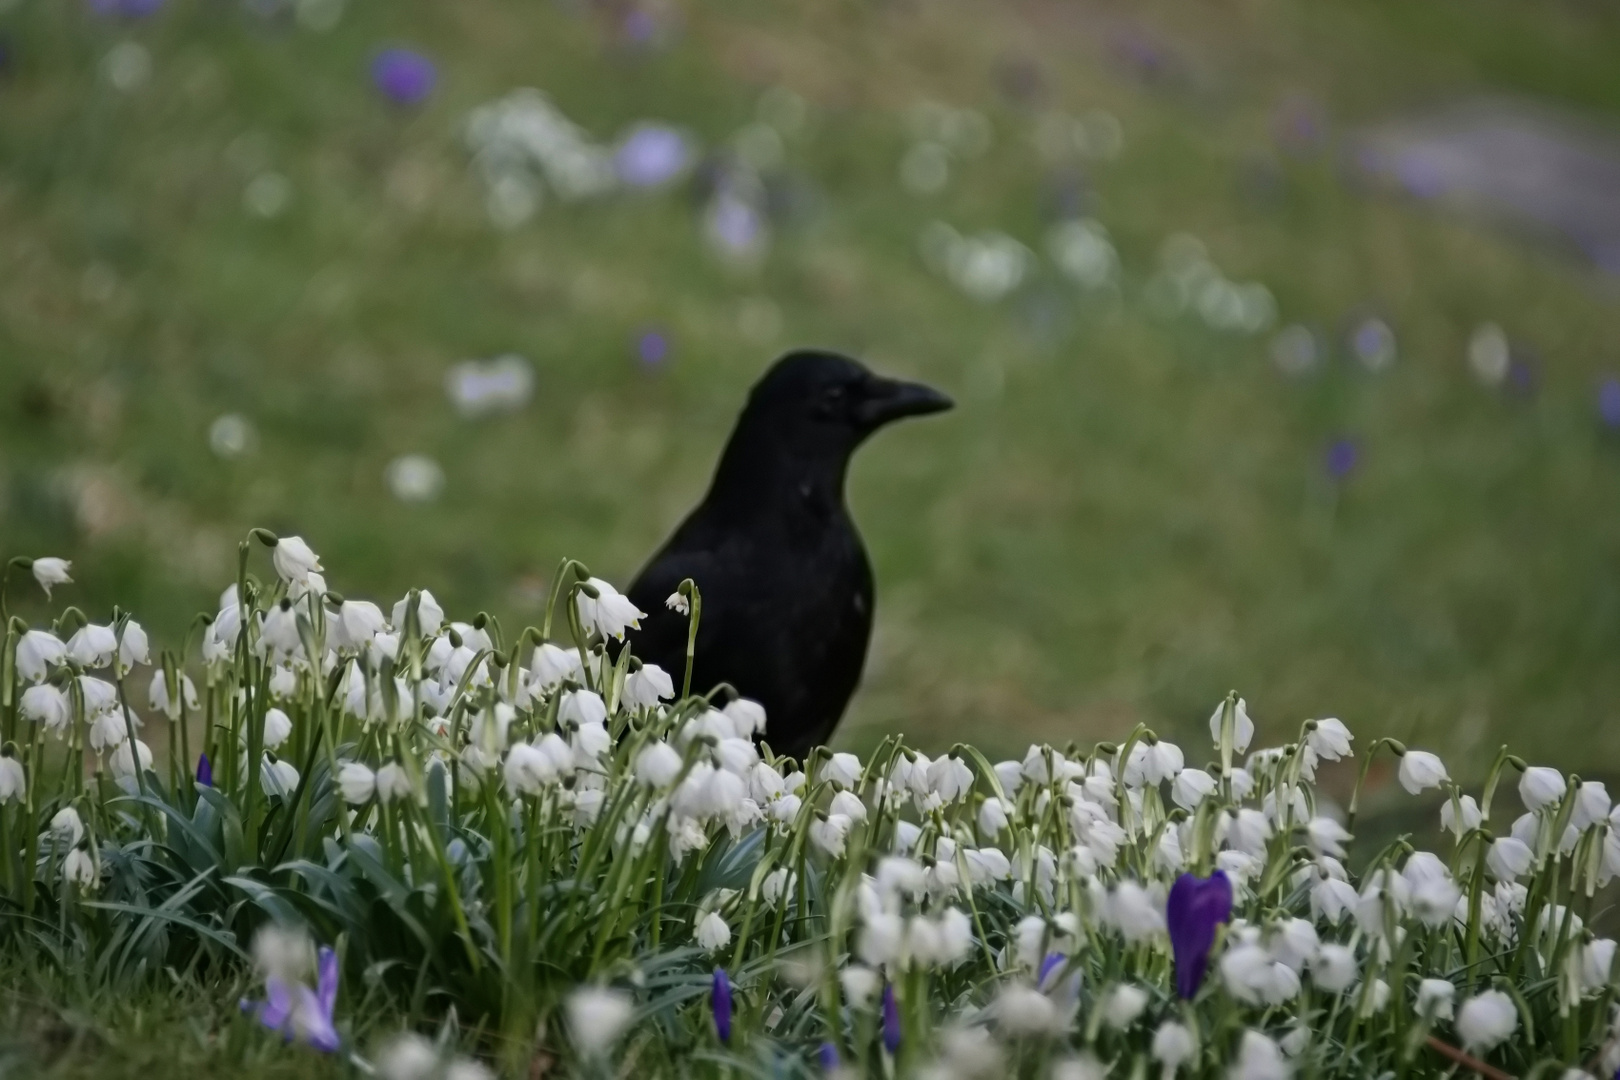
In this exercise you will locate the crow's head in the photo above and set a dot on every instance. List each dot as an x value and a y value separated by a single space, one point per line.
825 401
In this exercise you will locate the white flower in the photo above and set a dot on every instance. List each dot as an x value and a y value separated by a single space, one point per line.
849 805
582 707
860 985
79 868
950 778
610 613
1326 836
1331 898
1540 787
527 770
1334 968
1421 770
50 572
277 727
597 1017
1135 913
1435 900
92 646
133 647
1249 832
1011 775
123 761
357 782
1123 1006
393 782
711 932
647 686
1331 740
1190 786
1259 1058
355 623
36 651
992 817
830 833
45 704
279 631
1023 1010
678 604
748 717
1509 858
293 560
1242 728
1486 1020
1435 998
842 769
1471 817
429 615
408 1056
1591 805
1597 961
881 939
13 779
1293 942
777 884
67 828
658 764
1251 975
277 777
1173 1046
157 694
986 865
1151 763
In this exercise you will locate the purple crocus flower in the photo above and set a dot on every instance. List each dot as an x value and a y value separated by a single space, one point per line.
891 1020
721 1004
205 771
1052 962
1609 401
828 1055
404 76
651 156
1340 458
1195 907
299 1013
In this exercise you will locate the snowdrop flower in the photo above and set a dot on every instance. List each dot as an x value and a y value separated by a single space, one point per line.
848 804
1334 968
1509 858
133 647
1591 805
1023 1010
582 707
1330 740
1331 898
860 985
277 777
67 828
711 932
1249 832
124 760
354 624
1435 998
99 695
1326 836
1123 1005
1189 787
1251 975
738 756
986 865
645 687
609 613
950 778
1133 912
1597 961
830 834
1487 1020
1011 775
1540 787
293 560
1294 942
393 782
112 728
79 868
881 939
1151 763
748 717
844 769
1259 1058
1242 728
1173 1046
1470 815
429 615
777 884
1435 900
13 778
551 666
1421 770
527 770
678 604
658 764
279 632
45 704
158 694
50 572
37 651
597 1017
992 817
357 783
277 727
92 646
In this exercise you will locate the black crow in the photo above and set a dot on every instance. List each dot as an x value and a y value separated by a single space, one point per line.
785 582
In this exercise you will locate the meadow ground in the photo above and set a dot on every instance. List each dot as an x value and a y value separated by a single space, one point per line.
1129 513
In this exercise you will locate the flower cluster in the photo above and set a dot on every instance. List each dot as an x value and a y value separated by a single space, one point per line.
541 821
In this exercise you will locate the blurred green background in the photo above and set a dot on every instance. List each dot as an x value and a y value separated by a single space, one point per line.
210 210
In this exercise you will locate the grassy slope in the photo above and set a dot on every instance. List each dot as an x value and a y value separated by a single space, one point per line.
1123 519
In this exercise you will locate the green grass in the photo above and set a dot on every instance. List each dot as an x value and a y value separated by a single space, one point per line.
1122 520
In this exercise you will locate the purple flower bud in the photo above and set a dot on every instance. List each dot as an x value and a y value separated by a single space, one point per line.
205 771
829 1057
1340 458
1052 962
1195 907
404 76
652 348
720 1003
1609 401
891 1020
652 155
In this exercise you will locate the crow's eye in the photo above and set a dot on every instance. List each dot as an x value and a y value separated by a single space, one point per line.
833 400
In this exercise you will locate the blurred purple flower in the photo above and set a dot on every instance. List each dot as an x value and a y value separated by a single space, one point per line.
652 155
891 1020
735 226
1421 175
829 1057
1299 126
1195 907
299 1013
720 1002
1609 401
205 771
640 27
652 347
125 9
404 76
1052 962
1341 457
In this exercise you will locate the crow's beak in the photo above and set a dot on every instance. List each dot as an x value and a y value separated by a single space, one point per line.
887 400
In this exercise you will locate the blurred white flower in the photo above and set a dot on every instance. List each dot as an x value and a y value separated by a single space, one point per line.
37 651
429 615
1259 1058
45 704
1334 968
881 939
860 985
597 1017
1022 1010
1486 1020
79 868
1540 787
276 776
1242 727
1123 1005
277 727
414 478
1327 837
157 695
1509 858
658 764
582 707
844 769
1190 786
92 646
777 884
1173 1046
551 665
645 687
847 804
357 783
13 778
393 782
1591 805
67 828
711 933
1435 999
992 817
830 833
50 572
1470 818
1135 913
527 770
1597 964
1421 770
